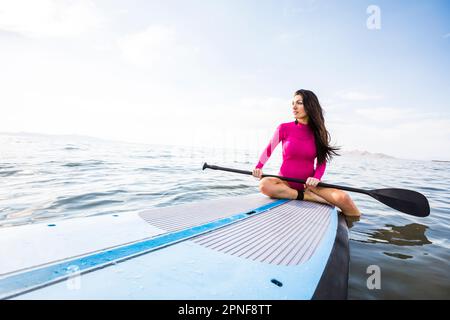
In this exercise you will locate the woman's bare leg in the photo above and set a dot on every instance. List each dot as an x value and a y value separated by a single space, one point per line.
336 197
311 196
277 188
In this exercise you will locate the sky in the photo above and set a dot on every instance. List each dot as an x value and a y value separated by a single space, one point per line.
222 73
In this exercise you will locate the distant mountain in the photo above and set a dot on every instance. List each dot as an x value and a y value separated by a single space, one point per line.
363 153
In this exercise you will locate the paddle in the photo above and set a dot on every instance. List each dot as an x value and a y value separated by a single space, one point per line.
407 201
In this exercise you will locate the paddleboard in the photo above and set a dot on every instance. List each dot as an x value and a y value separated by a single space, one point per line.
241 247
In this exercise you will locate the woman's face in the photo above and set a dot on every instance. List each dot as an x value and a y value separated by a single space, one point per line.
297 107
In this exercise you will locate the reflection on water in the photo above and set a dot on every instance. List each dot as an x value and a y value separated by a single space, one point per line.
398 255
412 234
351 220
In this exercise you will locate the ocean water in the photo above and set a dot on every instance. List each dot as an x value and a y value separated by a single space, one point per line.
48 178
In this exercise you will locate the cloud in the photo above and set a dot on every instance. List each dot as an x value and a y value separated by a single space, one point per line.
358 96
446 35
383 114
256 104
155 46
49 18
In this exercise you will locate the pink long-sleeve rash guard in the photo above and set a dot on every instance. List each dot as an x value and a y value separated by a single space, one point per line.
299 153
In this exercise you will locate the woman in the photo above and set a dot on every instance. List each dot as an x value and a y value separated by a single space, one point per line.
304 140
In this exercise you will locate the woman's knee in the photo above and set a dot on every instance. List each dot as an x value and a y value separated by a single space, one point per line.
344 198
346 204
265 184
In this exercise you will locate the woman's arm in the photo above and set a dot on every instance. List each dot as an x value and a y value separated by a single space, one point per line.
277 137
318 173
320 170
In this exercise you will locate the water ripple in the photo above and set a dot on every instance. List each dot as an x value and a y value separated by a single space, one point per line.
87 163
79 199
8 173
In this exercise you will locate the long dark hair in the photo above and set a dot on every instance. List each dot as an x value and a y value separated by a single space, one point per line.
316 122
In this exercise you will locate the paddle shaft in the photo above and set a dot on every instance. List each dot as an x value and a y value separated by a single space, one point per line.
407 201
321 184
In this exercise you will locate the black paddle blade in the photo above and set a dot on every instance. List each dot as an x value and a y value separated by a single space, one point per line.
407 201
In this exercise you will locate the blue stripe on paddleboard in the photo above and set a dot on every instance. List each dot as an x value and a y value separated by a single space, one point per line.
26 281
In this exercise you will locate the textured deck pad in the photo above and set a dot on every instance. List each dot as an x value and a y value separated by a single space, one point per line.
286 235
192 214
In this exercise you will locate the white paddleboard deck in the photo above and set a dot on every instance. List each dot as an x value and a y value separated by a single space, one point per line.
244 247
